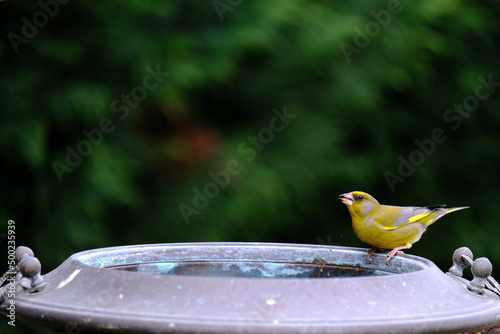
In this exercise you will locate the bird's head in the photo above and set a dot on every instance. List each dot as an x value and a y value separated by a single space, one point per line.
359 203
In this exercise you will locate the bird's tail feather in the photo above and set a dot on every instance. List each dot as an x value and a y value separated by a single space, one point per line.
444 211
456 209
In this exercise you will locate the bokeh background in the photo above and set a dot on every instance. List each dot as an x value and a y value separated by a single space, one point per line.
361 82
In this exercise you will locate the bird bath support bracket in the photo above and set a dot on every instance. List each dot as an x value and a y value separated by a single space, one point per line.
481 270
251 288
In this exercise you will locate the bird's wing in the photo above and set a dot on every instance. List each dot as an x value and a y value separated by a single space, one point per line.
411 214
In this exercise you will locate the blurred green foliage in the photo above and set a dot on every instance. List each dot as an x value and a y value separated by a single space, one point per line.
356 118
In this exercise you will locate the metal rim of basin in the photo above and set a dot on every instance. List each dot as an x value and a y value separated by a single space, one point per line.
415 296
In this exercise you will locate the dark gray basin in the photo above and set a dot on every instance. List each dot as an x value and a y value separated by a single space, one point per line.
253 288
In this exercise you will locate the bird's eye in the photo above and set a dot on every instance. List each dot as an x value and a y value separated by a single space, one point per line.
359 197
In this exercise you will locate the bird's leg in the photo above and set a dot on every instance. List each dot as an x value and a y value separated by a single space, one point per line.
394 252
371 251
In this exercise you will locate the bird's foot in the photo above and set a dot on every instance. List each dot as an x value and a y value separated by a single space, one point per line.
371 251
394 252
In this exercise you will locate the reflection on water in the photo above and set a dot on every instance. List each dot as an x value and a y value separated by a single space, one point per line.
250 269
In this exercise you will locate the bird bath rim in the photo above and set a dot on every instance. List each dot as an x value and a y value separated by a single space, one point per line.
248 252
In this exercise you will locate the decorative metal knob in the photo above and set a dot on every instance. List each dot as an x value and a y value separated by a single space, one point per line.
30 269
21 252
462 258
30 266
27 273
481 269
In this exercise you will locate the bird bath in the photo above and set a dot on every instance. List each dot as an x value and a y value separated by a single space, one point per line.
254 288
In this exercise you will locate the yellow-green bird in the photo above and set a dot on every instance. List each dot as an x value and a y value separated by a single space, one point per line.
387 226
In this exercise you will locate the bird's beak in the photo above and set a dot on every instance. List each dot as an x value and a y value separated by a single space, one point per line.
346 198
